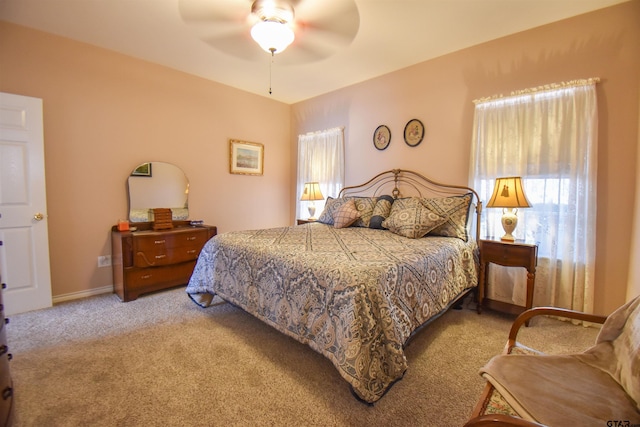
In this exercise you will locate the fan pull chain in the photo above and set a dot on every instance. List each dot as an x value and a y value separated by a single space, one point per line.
270 65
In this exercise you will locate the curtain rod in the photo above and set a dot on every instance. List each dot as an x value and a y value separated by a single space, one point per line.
544 88
326 130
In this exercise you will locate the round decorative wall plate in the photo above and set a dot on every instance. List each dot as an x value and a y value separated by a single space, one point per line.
413 132
381 137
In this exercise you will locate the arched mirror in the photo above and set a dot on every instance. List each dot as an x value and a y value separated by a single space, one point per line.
158 185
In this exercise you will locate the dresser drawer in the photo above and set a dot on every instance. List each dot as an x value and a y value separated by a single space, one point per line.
158 249
177 274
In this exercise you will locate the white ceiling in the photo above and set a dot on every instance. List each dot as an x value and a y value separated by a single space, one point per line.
391 34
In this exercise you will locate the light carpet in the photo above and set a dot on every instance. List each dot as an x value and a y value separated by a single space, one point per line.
163 361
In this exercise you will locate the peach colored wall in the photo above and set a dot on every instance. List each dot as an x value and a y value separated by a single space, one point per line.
104 113
440 92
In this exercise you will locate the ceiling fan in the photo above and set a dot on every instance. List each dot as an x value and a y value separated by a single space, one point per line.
317 28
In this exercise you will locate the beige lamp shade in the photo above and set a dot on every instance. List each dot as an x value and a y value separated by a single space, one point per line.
311 193
508 193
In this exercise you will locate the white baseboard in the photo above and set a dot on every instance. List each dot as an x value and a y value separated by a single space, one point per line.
83 294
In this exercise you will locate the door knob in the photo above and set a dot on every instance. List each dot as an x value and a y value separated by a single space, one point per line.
38 217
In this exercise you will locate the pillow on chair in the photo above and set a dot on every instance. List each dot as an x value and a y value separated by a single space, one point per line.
617 349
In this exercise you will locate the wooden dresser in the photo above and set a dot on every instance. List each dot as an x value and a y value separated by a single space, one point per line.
145 260
6 384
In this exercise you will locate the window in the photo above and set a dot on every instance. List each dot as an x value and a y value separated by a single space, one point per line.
321 159
548 136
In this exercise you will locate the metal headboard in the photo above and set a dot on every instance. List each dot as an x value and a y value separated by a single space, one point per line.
395 181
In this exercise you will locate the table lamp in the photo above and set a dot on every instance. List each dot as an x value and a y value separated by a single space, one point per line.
508 194
311 193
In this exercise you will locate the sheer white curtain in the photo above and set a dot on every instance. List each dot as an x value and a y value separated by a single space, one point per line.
321 159
548 136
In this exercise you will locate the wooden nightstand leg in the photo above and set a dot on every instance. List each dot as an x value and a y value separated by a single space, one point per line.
531 279
481 285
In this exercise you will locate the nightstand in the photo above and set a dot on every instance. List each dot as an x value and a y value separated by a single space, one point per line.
304 221
516 254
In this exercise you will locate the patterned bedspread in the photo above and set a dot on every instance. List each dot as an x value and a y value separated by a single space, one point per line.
355 295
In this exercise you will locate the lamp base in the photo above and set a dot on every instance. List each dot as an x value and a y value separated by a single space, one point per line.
312 211
509 222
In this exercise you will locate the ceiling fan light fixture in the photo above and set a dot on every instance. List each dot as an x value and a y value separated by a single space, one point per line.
272 36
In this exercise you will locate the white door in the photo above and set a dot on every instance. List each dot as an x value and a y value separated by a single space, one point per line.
24 241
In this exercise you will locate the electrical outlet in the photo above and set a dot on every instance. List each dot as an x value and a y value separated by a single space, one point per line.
104 261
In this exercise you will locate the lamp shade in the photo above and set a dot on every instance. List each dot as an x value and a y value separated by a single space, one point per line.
508 193
272 36
312 192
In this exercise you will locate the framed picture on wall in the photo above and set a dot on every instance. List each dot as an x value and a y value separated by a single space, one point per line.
413 132
381 137
245 158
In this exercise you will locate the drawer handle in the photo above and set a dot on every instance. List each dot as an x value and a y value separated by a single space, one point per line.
191 251
159 242
10 356
3 349
160 256
146 276
191 238
7 393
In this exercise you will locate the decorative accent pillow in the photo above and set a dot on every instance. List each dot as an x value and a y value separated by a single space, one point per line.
410 218
346 214
381 211
365 206
326 217
456 211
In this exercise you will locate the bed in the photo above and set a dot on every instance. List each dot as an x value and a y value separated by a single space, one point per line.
384 259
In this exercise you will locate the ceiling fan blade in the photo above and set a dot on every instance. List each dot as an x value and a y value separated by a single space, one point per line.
217 11
237 45
322 28
338 20
303 53
223 24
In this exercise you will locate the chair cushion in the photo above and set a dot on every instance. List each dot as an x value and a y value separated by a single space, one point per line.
559 390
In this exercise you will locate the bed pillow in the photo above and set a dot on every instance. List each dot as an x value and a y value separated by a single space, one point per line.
365 206
346 214
411 218
326 217
456 211
381 211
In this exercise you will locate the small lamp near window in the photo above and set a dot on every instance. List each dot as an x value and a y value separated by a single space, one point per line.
508 194
311 193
